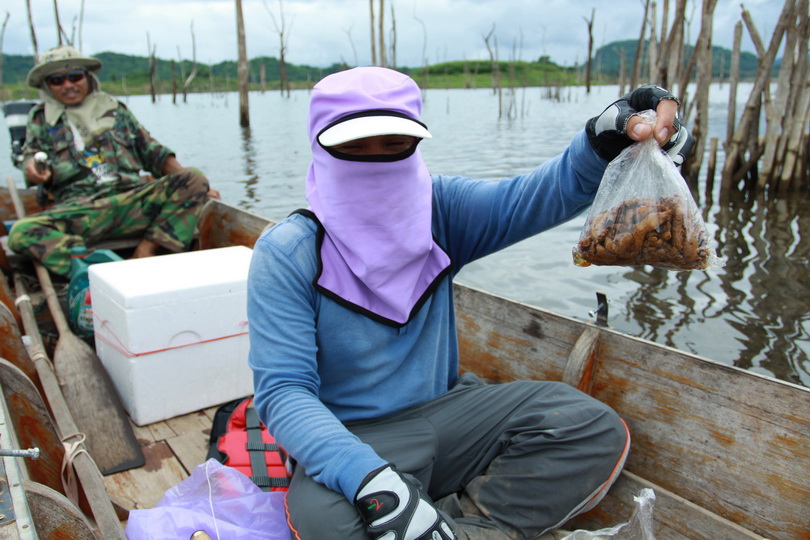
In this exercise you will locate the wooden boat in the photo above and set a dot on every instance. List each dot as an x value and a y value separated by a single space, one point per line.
726 451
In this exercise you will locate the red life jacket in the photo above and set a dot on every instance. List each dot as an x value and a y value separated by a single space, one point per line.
240 440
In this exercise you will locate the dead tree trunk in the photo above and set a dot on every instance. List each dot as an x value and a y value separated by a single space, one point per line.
187 81
283 36
393 39
589 22
734 153
734 79
652 47
493 62
637 61
59 31
174 84
700 127
242 68
152 66
81 24
425 70
797 106
659 73
2 34
373 37
622 71
381 33
674 46
33 33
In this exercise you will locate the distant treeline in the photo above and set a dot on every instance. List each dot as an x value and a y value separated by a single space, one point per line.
132 72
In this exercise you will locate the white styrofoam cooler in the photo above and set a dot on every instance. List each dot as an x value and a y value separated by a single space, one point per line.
172 330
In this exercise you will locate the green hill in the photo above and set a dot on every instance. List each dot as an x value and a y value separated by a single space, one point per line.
126 74
607 59
135 69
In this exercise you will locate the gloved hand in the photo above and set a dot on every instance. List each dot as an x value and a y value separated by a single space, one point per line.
390 504
607 132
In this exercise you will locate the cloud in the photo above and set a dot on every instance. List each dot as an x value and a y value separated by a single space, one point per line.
322 32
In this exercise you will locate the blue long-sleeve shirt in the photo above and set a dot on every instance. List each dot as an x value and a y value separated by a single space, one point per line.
318 364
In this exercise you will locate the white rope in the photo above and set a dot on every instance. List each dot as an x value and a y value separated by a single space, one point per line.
72 450
211 498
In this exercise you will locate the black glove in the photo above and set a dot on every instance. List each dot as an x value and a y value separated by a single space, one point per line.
607 132
390 504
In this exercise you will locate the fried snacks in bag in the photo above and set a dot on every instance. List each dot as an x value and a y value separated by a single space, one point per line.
644 214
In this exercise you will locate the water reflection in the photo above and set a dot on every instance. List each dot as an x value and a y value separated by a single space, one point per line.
768 258
765 290
251 177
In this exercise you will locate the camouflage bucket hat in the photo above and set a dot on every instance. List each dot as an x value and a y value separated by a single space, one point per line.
59 59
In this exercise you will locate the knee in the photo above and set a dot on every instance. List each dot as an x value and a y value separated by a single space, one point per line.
18 236
197 180
192 181
580 415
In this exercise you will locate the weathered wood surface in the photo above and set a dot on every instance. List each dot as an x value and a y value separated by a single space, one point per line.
33 425
11 343
15 513
672 514
55 517
727 440
28 197
172 449
7 299
87 471
221 225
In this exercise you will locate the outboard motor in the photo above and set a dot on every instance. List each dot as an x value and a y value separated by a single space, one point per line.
16 113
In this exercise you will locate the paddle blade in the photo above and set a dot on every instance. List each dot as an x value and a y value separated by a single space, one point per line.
96 406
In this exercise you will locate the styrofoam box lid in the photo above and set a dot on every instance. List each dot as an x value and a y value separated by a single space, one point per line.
150 281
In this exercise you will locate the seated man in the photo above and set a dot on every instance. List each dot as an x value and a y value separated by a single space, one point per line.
353 340
96 150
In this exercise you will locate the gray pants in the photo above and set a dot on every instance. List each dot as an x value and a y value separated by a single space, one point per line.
504 461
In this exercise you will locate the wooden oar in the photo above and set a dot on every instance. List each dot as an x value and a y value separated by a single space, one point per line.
87 387
88 472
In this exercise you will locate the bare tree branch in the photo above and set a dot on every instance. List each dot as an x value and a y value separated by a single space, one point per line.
589 22
81 23
2 34
373 38
152 66
283 40
187 82
351 42
383 62
31 28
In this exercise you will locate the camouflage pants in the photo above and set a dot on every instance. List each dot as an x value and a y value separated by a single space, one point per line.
164 211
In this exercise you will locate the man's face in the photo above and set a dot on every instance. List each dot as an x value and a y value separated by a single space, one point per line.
69 87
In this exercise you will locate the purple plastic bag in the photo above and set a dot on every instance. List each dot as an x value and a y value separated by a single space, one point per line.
217 499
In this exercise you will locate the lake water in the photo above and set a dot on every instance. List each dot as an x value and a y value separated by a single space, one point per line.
752 313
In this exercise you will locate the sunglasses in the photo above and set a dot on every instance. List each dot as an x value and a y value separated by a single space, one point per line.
59 79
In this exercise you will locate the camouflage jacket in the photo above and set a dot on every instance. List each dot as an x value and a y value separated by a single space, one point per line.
111 165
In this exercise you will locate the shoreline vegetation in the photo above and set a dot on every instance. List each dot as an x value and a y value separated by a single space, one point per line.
125 75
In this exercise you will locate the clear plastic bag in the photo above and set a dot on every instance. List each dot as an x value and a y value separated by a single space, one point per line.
644 214
218 500
640 526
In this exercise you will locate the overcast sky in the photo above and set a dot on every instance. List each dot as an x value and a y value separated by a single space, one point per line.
322 32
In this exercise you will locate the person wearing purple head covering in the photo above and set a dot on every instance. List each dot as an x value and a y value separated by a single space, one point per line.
353 340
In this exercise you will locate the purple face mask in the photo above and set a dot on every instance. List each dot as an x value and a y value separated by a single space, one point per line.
378 254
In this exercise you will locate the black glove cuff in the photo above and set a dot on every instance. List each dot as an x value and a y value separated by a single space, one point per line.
648 96
608 145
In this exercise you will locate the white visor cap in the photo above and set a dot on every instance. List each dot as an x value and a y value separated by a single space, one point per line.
371 126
